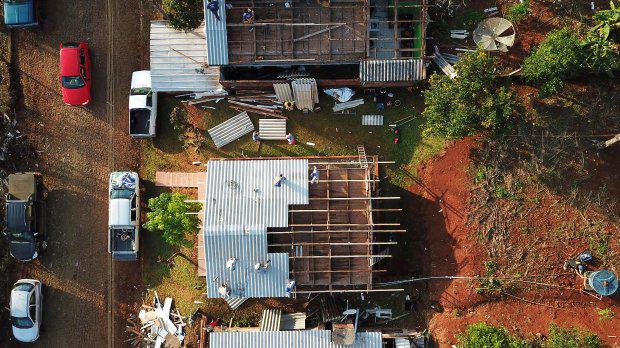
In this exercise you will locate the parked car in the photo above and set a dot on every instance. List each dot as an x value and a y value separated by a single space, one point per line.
20 13
26 307
124 216
25 215
142 105
75 74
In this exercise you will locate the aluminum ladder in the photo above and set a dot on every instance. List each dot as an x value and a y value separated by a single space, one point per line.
361 152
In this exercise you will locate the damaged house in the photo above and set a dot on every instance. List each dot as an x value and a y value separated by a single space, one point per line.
339 43
301 238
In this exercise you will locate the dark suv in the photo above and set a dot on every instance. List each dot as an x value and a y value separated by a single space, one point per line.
25 215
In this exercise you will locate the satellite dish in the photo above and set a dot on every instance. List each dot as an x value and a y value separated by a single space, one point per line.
494 34
604 282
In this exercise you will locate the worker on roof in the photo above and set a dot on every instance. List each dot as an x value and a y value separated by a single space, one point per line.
262 266
231 263
279 179
248 16
214 7
290 287
314 176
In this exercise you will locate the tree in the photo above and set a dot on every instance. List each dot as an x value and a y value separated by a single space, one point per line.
602 51
571 338
185 15
484 335
168 215
559 57
472 101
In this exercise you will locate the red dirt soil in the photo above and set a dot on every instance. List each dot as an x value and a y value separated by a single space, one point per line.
452 249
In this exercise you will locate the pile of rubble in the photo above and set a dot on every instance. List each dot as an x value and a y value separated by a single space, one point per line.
157 326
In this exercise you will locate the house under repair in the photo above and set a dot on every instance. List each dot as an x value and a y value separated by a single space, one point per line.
338 42
326 236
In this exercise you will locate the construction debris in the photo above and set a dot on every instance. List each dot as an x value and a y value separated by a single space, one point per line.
348 105
157 326
306 94
441 62
341 94
258 102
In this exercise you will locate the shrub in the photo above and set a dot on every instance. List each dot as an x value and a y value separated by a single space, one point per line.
559 57
472 101
168 216
571 338
602 51
185 15
519 11
484 335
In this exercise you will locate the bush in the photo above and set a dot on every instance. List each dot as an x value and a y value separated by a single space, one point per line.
185 15
559 57
168 216
484 335
519 11
571 338
470 102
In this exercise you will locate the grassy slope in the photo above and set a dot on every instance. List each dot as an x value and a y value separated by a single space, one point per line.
332 134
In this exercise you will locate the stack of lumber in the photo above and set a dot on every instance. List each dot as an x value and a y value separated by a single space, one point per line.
259 102
203 97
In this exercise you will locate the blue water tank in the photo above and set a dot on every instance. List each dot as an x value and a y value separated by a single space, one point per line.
604 282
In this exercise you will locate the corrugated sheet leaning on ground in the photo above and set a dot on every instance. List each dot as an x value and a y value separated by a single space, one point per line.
240 203
271 320
392 70
306 93
216 35
289 339
283 91
178 60
231 129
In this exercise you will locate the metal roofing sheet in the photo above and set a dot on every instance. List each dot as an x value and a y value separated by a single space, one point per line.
372 120
231 129
289 339
241 201
272 129
216 35
178 60
392 70
271 320
283 91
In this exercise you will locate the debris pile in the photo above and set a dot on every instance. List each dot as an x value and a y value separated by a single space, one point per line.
157 326
258 102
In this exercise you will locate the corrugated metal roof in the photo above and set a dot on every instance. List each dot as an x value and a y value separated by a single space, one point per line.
240 203
241 193
179 60
216 35
372 120
283 91
392 70
289 339
306 93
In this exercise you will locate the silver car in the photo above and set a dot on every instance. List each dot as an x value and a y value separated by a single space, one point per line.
26 298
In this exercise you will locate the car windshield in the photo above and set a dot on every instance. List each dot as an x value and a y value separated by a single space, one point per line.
22 323
121 193
23 287
72 82
18 236
140 91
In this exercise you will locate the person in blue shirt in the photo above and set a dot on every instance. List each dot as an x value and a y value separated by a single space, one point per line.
214 7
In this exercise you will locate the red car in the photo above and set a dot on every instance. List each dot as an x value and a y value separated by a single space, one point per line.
75 78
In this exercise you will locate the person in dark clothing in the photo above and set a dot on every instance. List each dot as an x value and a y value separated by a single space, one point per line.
214 7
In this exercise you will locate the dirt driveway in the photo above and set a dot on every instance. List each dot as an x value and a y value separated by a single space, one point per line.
78 147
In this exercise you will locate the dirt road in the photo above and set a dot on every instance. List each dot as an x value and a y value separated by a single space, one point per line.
78 147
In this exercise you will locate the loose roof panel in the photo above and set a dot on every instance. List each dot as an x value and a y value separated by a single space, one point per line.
289 339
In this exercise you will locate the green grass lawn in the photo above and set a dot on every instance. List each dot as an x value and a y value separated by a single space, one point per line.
333 134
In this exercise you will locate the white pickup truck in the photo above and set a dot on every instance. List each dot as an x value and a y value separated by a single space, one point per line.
124 216
142 105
